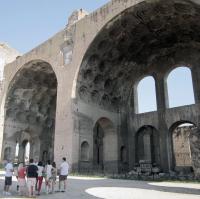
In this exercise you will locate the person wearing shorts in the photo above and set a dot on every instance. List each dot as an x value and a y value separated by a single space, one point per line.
8 177
32 174
48 177
21 179
64 170
54 176
40 177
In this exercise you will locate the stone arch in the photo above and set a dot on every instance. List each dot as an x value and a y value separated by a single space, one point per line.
85 151
177 96
179 146
148 145
146 38
30 107
103 52
105 146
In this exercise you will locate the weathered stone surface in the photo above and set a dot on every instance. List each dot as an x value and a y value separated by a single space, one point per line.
7 55
76 16
76 94
195 151
32 101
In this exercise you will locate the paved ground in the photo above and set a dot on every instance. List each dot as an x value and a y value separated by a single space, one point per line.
94 188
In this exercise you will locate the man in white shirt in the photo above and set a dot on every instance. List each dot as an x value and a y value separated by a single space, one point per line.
8 177
64 170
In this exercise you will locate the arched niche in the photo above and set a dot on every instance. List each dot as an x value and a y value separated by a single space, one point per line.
123 155
105 146
148 145
85 151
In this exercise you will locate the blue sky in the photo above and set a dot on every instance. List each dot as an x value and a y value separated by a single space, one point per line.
27 23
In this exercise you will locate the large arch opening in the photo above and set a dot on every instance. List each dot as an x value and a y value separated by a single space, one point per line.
30 110
181 146
149 38
105 146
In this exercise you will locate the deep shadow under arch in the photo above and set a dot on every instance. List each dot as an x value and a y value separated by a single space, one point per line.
30 108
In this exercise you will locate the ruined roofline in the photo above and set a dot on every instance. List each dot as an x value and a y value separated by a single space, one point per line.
6 46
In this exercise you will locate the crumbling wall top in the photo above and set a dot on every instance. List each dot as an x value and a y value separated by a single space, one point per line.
76 16
7 55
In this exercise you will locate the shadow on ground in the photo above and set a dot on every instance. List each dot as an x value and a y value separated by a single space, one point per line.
91 188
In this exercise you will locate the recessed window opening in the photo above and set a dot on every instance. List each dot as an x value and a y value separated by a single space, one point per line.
26 145
85 151
180 87
146 94
17 151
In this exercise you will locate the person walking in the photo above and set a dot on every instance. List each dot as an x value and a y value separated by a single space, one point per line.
8 177
40 177
48 169
64 170
21 179
15 167
32 173
54 176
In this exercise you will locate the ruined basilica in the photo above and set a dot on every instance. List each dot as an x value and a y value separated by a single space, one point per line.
75 95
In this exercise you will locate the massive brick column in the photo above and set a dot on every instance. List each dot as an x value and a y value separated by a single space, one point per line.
196 83
162 103
195 150
131 142
64 145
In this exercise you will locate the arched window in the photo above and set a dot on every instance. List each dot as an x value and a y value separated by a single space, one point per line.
27 151
17 150
84 151
146 94
180 88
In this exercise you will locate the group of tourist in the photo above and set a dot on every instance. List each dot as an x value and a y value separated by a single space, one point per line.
30 177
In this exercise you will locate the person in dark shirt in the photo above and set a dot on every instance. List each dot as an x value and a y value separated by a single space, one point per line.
32 173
